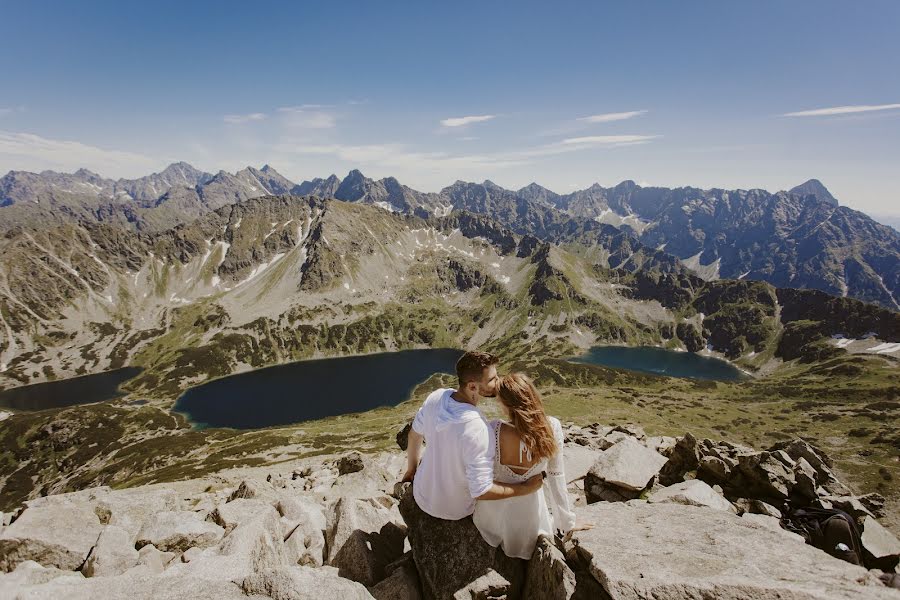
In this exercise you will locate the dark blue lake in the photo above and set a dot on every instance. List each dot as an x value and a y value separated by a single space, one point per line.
312 389
659 361
68 392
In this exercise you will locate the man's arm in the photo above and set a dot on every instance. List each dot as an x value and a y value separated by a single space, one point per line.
499 491
413 454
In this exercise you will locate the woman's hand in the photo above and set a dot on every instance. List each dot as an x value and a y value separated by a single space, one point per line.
579 526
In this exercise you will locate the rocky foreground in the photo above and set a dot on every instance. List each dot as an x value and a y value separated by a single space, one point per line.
673 518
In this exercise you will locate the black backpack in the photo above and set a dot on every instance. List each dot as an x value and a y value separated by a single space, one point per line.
828 529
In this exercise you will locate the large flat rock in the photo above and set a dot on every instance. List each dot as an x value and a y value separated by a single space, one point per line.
673 552
52 534
627 464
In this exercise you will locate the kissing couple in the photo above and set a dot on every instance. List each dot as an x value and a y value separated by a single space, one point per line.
492 470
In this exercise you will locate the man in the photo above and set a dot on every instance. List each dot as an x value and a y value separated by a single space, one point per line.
458 467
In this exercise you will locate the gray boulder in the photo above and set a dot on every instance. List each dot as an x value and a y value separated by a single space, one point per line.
685 456
548 576
611 439
249 488
53 534
772 524
693 492
154 559
257 540
763 475
231 514
302 583
351 463
663 444
490 586
131 508
882 549
364 536
303 525
402 584
578 460
403 436
597 490
436 549
136 584
713 470
680 552
30 573
176 531
113 554
874 503
628 465
805 476
756 507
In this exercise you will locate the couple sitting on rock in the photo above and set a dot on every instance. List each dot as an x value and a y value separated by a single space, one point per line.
490 470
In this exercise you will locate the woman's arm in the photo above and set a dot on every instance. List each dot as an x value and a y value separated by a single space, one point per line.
560 506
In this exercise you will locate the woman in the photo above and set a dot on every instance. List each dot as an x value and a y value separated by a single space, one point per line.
531 442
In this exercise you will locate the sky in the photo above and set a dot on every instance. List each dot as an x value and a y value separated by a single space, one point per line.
763 94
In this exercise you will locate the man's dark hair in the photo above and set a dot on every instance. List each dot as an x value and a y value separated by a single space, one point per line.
471 365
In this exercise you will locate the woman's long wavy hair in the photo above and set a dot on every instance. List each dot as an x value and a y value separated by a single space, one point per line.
526 412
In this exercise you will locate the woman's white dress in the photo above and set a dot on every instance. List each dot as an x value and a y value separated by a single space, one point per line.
515 523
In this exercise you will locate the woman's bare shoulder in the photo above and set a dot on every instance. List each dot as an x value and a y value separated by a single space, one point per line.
508 433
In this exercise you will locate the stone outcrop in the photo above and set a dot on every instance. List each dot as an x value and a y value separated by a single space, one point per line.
301 583
450 555
364 536
622 471
692 492
402 583
176 531
113 554
882 549
548 576
686 552
57 535
303 524
333 531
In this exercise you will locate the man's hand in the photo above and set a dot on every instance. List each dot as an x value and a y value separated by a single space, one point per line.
408 476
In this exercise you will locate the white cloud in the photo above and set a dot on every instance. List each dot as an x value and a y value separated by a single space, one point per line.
841 110
8 110
399 156
239 119
308 116
609 117
606 140
461 121
31 152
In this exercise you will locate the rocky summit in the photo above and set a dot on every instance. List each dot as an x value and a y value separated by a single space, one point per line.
672 518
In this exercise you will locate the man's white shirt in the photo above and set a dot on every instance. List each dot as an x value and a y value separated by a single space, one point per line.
458 463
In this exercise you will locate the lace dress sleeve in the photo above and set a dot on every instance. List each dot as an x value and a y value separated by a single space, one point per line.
557 496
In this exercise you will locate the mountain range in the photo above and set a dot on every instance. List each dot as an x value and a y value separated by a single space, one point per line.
798 238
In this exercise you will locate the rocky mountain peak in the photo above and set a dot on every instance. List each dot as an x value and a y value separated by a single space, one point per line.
87 174
814 187
353 187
